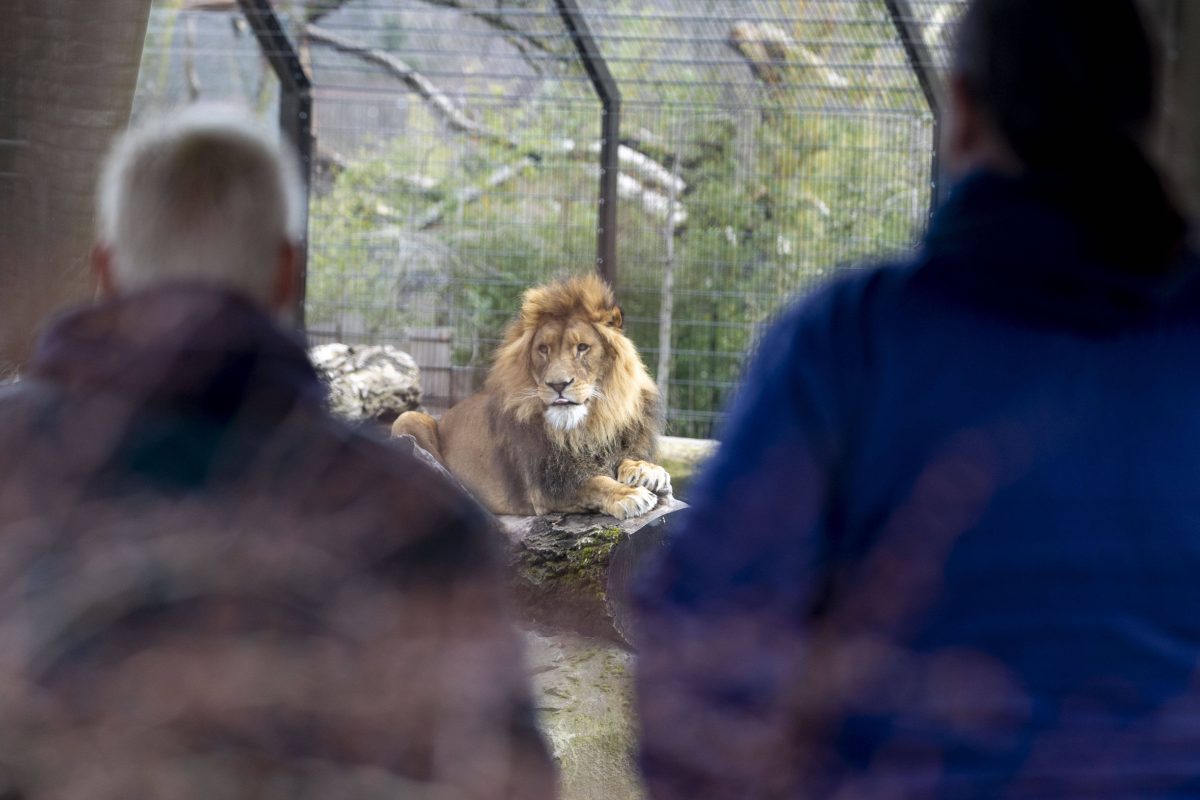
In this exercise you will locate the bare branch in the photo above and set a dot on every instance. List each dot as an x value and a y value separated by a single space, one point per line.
209 5
654 203
437 100
501 176
315 9
517 37
647 170
652 185
189 61
638 189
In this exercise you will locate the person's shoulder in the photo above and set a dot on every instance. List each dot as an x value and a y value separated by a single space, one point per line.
24 399
393 475
389 459
14 391
844 305
15 402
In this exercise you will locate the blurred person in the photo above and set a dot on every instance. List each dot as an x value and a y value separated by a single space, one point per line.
209 588
950 545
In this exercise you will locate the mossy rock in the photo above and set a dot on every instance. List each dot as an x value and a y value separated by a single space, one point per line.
560 575
560 567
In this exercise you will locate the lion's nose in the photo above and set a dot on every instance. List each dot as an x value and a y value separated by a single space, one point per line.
559 386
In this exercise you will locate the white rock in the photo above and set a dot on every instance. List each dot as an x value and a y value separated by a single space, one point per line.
368 382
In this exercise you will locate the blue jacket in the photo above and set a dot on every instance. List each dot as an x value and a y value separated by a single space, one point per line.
950 546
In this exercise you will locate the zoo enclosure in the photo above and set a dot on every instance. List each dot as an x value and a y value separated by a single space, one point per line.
762 144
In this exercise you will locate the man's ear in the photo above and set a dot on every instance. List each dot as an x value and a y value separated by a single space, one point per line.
617 319
970 139
102 270
960 126
285 291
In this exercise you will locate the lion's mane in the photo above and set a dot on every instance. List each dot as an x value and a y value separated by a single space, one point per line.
499 442
629 401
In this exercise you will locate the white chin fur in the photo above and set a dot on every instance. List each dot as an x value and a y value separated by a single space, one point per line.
565 418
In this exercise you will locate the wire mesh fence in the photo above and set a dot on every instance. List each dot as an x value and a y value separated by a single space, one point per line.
764 144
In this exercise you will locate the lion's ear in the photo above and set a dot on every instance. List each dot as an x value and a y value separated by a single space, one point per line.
616 319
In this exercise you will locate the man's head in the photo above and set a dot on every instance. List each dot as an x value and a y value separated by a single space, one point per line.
204 195
1038 84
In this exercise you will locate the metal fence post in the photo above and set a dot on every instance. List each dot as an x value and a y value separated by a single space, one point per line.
925 69
295 108
610 132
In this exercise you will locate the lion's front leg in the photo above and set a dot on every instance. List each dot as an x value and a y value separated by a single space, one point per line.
632 472
603 494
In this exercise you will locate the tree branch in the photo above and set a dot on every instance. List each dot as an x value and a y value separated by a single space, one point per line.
650 184
315 10
209 5
445 108
517 37
499 177
654 203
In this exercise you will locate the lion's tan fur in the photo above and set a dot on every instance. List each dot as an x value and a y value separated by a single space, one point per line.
499 444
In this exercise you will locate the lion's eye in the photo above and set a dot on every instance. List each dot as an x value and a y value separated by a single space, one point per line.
543 349
583 348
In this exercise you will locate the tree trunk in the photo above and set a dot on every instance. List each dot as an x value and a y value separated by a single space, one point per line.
666 308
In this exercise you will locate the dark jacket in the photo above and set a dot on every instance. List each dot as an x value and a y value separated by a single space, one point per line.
950 546
210 588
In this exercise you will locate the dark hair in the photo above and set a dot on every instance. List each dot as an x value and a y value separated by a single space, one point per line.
1054 72
1071 86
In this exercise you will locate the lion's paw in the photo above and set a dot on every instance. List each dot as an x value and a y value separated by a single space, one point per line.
630 501
643 473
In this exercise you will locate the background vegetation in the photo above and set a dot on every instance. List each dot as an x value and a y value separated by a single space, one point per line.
768 142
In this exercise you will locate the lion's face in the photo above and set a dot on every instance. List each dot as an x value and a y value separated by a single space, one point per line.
568 360
565 360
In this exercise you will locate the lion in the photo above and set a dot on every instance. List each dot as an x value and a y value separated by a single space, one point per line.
568 419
